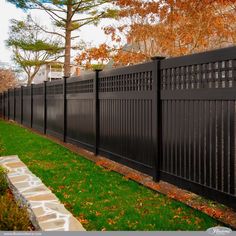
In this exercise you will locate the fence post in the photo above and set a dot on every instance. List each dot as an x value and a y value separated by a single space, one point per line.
64 108
31 105
96 111
4 110
5 96
14 104
45 107
3 105
157 113
21 104
8 104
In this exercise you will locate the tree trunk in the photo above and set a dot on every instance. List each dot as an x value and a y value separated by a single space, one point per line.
68 40
29 79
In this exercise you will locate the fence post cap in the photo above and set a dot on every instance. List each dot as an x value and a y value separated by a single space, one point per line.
157 58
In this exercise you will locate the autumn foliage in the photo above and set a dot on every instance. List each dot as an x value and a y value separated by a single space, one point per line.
101 55
98 57
172 28
7 79
169 28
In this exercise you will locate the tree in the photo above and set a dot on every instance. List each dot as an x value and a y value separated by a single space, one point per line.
172 28
7 79
98 57
69 15
31 48
90 55
166 27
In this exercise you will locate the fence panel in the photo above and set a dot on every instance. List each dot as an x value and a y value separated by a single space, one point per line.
55 111
199 115
80 110
126 104
38 107
18 105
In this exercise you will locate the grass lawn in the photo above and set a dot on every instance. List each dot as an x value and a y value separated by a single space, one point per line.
100 199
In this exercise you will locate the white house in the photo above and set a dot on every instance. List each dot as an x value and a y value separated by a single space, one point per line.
49 72
54 71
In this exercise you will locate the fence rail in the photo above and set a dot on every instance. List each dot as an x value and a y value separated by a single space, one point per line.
172 118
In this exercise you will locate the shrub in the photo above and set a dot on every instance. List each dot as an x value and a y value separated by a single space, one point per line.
12 217
3 181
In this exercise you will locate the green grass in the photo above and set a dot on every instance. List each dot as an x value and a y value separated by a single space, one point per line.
101 199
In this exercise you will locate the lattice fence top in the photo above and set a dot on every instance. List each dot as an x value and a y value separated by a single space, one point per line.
82 86
26 91
53 89
141 81
17 92
220 74
11 92
38 90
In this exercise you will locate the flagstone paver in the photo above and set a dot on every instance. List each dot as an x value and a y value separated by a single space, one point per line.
45 210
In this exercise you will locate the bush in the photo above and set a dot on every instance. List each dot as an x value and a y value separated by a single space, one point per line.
12 217
3 181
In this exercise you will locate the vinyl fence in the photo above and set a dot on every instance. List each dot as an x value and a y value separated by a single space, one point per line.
172 118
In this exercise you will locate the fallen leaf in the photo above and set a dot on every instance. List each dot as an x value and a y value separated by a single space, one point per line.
98 213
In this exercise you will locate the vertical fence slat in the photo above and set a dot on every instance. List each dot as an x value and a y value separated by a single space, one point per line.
8 104
64 109
96 111
219 145
232 148
4 113
14 115
207 146
21 104
45 107
226 147
31 105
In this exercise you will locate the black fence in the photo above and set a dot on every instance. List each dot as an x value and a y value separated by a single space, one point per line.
173 118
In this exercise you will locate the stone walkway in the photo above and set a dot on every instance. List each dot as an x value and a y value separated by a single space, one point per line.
45 211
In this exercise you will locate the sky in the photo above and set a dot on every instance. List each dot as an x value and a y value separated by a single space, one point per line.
91 34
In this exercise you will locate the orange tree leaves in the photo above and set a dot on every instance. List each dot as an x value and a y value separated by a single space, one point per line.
99 54
171 28
167 28
7 79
